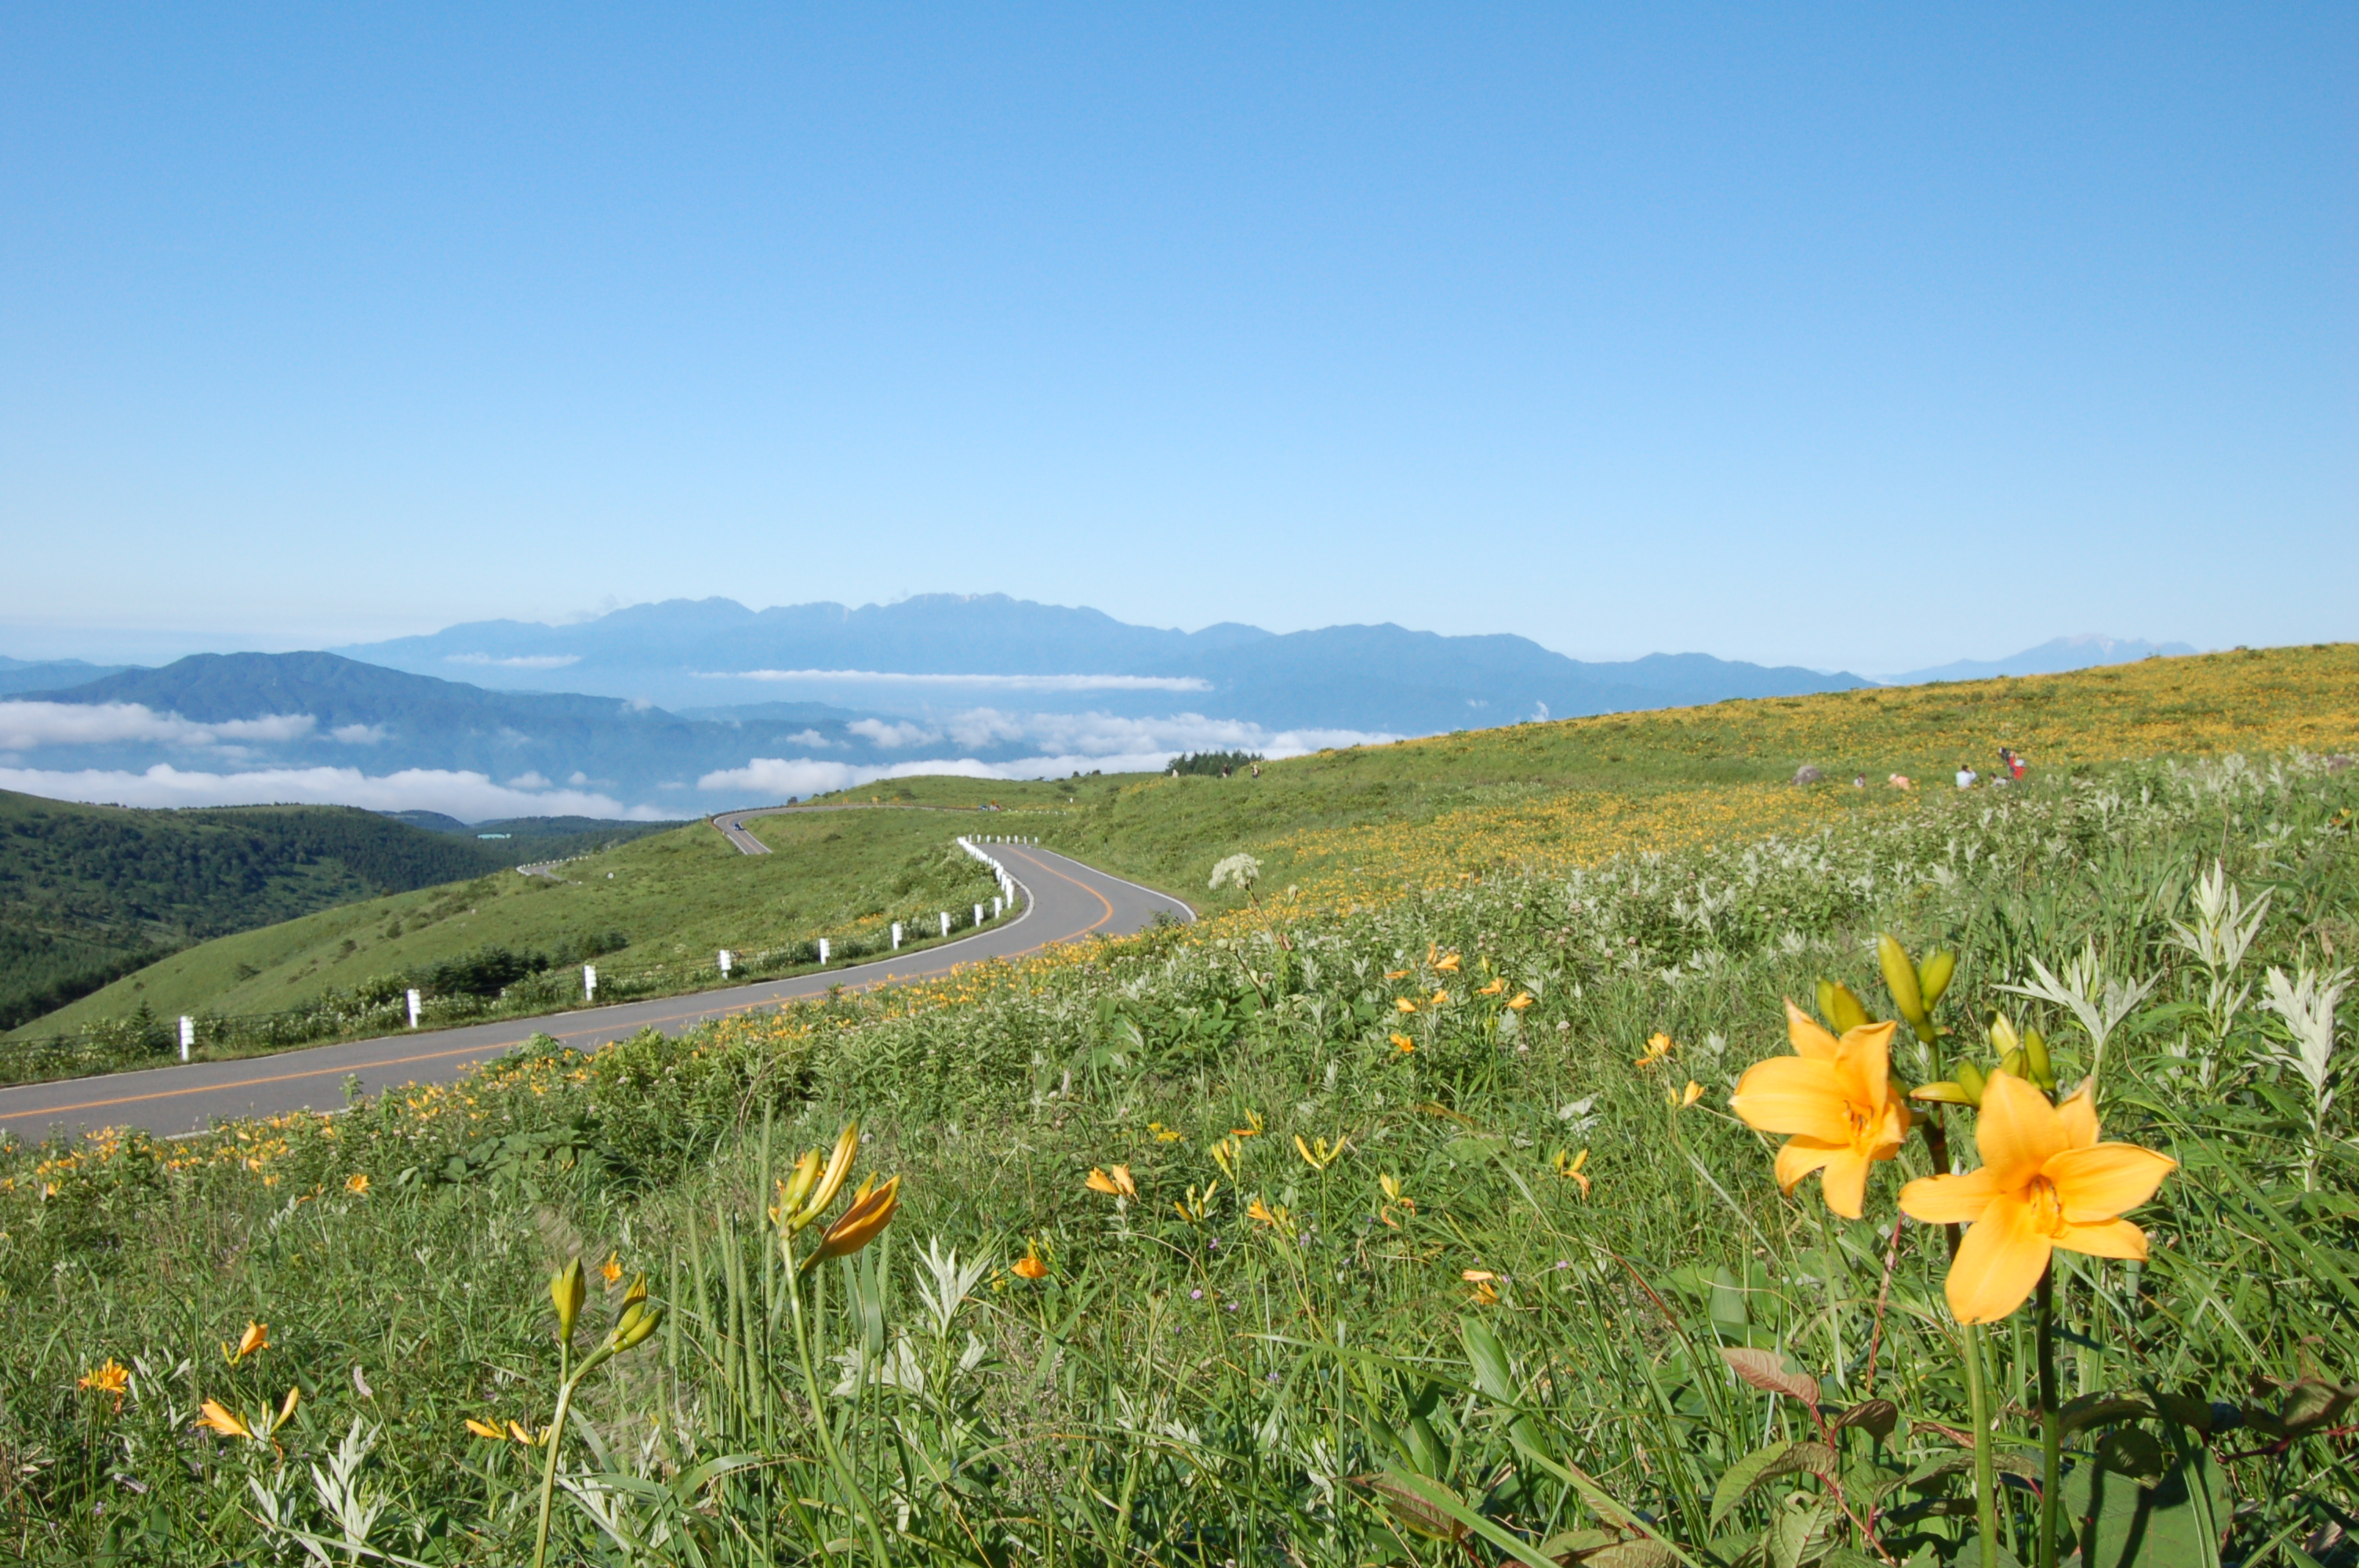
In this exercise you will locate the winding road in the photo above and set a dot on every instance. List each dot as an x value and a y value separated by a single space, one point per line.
1064 901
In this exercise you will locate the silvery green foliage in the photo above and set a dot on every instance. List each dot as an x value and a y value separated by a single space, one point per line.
2306 1003
2098 1001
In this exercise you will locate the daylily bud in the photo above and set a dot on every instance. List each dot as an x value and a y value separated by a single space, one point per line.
1972 1079
2003 1037
567 1291
1933 977
1841 1010
1943 1093
2042 1071
797 1188
830 1180
637 1325
1900 980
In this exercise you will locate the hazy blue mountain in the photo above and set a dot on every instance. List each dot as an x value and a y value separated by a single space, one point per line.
19 676
2052 657
704 655
339 712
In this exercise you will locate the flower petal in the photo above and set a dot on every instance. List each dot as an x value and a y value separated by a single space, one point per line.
1810 1041
2079 1115
2113 1239
1863 1063
1799 1156
1845 1183
1949 1200
1998 1262
2099 1183
1791 1094
2017 1131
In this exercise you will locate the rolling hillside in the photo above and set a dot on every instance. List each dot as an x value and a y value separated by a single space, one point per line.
90 893
670 899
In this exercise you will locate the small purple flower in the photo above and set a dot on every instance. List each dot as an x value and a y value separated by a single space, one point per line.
1233 1306
1276 1379
1195 1296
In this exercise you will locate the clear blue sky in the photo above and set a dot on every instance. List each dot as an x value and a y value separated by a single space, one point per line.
1870 337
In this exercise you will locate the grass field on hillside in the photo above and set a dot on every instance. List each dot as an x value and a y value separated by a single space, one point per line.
1343 828
673 899
1418 1234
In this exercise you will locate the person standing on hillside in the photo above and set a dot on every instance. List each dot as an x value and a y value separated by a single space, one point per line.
1966 776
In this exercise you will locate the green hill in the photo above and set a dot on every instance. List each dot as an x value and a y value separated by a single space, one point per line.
653 912
91 893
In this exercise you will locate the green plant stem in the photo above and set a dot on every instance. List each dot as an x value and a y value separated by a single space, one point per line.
2051 1421
1986 1475
844 1476
549 1468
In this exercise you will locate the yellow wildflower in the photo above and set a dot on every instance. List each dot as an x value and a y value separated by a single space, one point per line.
2046 1182
357 1183
1658 1045
256 1337
1403 1043
1834 1099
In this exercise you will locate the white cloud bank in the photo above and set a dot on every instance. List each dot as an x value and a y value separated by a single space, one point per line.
470 796
1074 743
24 726
1008 683
516 662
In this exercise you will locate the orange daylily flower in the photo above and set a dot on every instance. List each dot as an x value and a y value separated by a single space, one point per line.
1521 1000
2045 1183
1403 1043
1395 974
1687 1097
1834 1099
1498 985
485 1429
357 1183
111 1378
871 1211
1404 1004
1658 1045
1029 1265
1438 999
1117 1183
1570 1168
256 1337
219 1418
1447 965
611 1270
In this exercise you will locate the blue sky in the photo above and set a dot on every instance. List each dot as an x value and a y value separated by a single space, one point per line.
1862 337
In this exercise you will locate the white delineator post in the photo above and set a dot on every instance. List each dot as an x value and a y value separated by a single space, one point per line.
946 923
897 935
978 914
995 908
187 1036
822 949
726 956
413 1008
588 982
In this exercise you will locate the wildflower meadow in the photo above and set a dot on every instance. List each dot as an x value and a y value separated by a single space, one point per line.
1971 1181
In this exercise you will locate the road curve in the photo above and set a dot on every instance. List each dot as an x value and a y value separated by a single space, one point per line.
1065 901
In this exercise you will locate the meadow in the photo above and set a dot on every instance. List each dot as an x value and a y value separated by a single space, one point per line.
1399 1215
652 914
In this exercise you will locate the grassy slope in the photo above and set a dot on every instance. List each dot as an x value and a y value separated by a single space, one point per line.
87 889
677 895
1582 788
1226 1334
1363 823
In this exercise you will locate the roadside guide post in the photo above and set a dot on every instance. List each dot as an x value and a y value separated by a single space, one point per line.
726 955
187 1034
822 949
896 936
589 982
413 1007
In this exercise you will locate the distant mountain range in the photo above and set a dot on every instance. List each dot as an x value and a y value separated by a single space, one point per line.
941 654
49 674
2053 658
512 720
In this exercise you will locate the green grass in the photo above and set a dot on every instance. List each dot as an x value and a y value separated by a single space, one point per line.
91 891
1313 1389
1324 1386
676 898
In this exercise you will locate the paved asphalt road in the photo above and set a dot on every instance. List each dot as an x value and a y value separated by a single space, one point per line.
1066 900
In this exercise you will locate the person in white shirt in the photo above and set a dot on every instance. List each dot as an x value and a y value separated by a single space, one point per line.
1966 776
